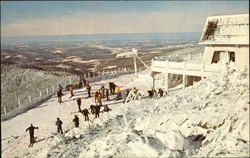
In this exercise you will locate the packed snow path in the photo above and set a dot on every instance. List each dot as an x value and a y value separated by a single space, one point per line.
210 119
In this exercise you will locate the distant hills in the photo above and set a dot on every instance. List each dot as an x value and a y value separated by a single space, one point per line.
175 36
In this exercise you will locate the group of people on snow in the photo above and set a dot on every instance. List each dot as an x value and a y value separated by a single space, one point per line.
94 109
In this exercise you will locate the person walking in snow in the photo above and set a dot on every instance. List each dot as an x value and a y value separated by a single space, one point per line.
78 101
96 96
92 108
59 125
103 91
31 130
76 121
100 99
97 110
71 91
60 87
86 113
160 92
107 94
111 88
89 91
59 96
87 83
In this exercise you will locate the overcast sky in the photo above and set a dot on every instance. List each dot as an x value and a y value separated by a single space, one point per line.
100 17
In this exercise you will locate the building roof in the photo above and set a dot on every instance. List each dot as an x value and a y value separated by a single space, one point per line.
227 29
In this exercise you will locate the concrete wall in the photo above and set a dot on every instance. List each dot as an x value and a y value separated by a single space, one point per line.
241 54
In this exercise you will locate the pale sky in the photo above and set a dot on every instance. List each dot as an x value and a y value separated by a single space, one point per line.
35 18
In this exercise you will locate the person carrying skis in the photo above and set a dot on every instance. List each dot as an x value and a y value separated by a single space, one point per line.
86 113
59 96
76 121
107 94
97 110
59 125
89 90
96 96
78 101
31 132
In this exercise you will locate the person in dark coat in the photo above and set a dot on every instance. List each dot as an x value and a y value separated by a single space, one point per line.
59 125
78 100
106 108
31 132
107 94
112 88
160 92
60 87
150 93
59 96
97 110
76 121
86 113
89 90
92 108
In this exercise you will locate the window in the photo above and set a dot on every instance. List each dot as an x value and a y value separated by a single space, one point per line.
231 56
223 57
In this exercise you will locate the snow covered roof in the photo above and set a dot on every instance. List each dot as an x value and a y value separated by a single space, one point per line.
227 29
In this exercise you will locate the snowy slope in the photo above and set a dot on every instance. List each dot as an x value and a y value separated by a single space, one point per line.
216 108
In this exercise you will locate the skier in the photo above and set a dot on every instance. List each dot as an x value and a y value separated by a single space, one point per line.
78 101
31 132
119 95
59 125
96 96
60 87
106 108
100 99
89 91
87 83
77 84
134 90
103 91
111 88
84 81
107 94
150 93
117 89
71 91
92 108
127 92
76 120
97 110
160 92
86 113
59 96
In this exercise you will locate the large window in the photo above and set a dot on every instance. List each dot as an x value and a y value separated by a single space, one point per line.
223 57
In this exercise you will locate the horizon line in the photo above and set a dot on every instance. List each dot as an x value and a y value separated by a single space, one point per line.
95 34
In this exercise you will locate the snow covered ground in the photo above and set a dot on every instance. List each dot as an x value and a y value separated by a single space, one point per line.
209 119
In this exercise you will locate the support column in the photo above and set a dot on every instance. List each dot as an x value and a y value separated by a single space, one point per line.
190 80
184 80
153 77
135 65
167 80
